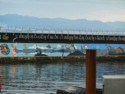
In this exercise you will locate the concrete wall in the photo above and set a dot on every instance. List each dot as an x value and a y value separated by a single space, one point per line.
114 84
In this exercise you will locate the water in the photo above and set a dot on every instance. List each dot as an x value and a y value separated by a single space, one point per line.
47 78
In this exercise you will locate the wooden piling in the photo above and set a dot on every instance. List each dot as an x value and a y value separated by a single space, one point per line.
90 71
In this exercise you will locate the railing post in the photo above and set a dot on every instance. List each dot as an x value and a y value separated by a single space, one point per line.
90 71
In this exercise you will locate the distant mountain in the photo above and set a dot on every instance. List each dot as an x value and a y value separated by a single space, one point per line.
24 21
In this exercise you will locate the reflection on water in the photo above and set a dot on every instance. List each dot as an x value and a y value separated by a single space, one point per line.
47 78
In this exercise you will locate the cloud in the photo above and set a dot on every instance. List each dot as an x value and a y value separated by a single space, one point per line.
36 46
70 9
59 46
33 47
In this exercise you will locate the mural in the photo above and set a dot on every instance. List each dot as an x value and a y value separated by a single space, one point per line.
13 50
44 49
4 49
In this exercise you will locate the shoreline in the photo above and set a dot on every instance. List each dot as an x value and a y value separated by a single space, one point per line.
57 59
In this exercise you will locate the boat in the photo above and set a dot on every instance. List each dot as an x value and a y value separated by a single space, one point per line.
39 53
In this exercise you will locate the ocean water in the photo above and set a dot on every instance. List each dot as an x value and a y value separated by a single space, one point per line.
47 78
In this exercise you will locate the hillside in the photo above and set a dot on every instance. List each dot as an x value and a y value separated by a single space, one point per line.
24 21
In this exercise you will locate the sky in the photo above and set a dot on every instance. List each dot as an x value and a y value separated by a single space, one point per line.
103 10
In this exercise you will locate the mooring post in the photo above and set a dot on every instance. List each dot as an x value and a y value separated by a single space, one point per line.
90 71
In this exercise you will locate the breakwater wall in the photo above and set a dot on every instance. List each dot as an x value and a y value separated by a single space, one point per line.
57 59
22 60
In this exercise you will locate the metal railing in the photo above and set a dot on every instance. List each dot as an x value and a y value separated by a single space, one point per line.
61 31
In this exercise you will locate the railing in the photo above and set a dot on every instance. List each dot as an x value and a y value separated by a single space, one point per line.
61 31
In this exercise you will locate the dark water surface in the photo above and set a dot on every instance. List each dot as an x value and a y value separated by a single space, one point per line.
47 78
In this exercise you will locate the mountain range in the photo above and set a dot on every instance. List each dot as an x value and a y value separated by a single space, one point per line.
28 21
